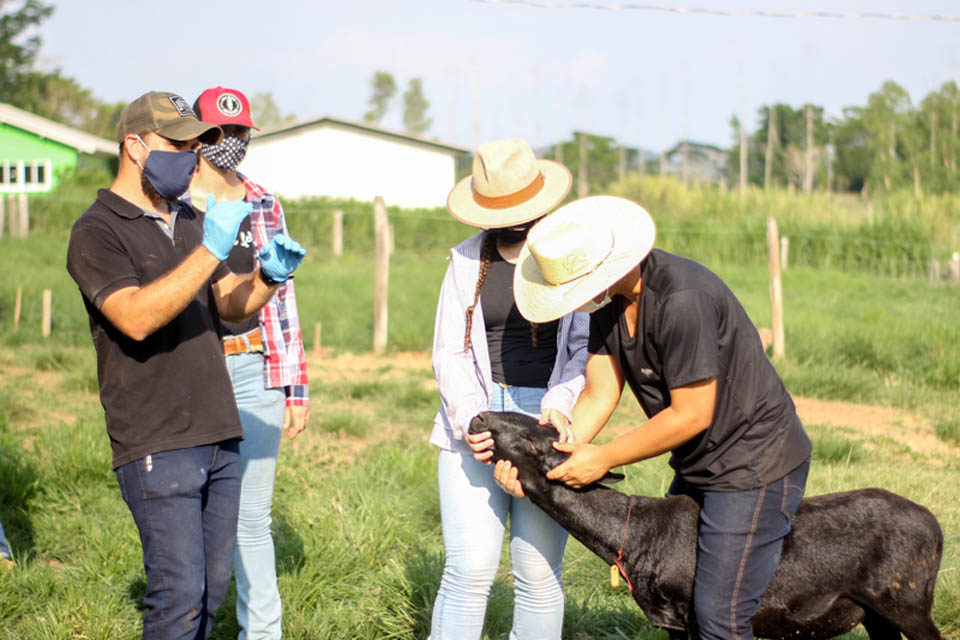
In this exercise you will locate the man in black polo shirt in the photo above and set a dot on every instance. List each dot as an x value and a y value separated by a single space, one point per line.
676 334
151 273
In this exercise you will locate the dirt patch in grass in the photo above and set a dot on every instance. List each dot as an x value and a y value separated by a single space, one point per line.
905 428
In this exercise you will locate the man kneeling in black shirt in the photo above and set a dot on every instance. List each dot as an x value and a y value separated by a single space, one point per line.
675 333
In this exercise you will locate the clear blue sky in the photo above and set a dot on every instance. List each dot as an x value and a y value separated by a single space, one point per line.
494 70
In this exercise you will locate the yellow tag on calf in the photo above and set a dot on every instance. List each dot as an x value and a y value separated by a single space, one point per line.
614 576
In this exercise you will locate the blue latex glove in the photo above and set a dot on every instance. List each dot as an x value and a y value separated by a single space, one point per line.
221 224
281 257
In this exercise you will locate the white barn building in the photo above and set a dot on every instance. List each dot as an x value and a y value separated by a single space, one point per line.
345 159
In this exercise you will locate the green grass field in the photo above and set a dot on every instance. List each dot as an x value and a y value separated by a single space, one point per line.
356 516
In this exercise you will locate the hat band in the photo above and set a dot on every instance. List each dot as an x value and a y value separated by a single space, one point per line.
511 199
573 268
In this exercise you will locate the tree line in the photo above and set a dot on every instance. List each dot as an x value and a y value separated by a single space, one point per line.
885 145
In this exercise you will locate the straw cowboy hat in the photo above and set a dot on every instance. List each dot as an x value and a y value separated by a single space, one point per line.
508 186
576 252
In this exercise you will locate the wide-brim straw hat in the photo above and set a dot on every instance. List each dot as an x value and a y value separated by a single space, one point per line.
576 252
508 186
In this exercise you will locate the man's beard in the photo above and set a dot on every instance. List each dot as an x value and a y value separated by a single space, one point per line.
155 198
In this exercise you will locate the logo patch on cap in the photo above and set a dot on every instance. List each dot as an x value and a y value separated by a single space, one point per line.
229 105
182 107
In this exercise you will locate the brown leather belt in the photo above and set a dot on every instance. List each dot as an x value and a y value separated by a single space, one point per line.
246 343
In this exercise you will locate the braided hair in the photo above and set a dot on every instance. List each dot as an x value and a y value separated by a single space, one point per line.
486 255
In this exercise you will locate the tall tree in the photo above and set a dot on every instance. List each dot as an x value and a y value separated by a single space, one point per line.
886 118
266 112
384 87
18 48
601 161
415 107
854 151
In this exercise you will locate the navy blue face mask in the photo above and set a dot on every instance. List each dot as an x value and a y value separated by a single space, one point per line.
169 172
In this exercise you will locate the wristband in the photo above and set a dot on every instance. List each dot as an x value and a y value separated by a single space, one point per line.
267 280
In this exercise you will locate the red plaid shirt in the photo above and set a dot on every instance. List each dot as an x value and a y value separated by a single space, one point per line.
286 364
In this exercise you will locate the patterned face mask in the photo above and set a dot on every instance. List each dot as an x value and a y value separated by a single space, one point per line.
228 154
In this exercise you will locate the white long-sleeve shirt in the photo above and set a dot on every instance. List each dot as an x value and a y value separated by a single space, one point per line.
463 376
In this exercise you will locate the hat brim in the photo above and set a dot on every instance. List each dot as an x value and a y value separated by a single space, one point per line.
189 128
557 181
633 237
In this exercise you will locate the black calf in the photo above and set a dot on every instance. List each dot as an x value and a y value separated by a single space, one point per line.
867 556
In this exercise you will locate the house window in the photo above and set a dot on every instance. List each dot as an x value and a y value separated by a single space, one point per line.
25 176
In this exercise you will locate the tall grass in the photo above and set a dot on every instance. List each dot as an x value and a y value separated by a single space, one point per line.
899 235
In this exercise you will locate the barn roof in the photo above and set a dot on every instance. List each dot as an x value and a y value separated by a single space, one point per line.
365 128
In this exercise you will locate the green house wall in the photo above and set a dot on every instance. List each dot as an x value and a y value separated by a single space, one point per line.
17 145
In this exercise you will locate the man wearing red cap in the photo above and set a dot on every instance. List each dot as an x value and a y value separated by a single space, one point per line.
265 359
152 276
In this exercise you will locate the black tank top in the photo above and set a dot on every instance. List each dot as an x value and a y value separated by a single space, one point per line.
513 358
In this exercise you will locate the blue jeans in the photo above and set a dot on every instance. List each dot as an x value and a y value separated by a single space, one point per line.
474 512
254 560
739 544
4 545
184 503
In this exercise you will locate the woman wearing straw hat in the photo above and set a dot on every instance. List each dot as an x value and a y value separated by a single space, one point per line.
486 356
676 334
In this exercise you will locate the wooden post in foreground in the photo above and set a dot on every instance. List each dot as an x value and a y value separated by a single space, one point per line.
47 304
12 215
776 287
17 306
24 217
316 338
337 233
381 230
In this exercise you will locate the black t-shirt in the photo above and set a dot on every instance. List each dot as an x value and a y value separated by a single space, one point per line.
170 390
513 358
241 262
691 327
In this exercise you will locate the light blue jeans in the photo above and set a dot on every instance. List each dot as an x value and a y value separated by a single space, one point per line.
254 561
474 511
4 546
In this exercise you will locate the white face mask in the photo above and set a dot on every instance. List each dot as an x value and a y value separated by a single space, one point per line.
590 306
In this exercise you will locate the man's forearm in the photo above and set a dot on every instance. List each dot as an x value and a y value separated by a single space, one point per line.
242 296
140 311
590 414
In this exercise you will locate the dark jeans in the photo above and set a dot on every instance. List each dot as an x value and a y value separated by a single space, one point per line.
738 550
185 504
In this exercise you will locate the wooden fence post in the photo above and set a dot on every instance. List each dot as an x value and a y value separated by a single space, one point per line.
316 338
17 306
776 288
954 266
12 215
381 230
337 233
47 311
784 252
24 218
934 271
